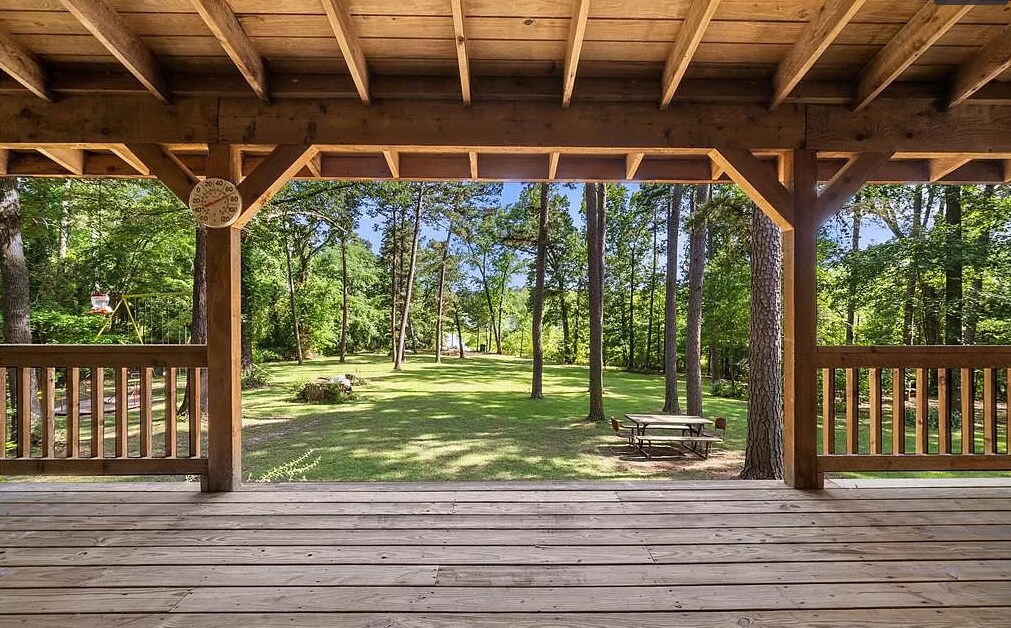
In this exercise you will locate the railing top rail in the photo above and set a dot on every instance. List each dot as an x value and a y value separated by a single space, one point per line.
970 356
112 356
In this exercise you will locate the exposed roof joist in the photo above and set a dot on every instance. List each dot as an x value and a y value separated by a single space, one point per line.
915 38
814 40
22 66
574 48
700 13
344 30
462 59
992 61
226 29
109 28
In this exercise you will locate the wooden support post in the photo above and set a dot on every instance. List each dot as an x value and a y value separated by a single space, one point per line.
224 321
800 300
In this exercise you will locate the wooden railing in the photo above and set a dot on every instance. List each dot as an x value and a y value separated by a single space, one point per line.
101 409
956 399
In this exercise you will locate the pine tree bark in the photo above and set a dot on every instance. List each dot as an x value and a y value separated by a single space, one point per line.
405 311
764 453
671 404
16 301
595 226
345 291
568 351
459 332
696 273
537 383
441 302
954 270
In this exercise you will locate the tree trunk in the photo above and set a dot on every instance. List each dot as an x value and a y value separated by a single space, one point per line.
696 268
441 302
953 271
198 328
671 403
973 300
630 358
405 311
394 288
537 383
344 298
595 226
293 301
851 297
763 458
648 362
16 301
459 332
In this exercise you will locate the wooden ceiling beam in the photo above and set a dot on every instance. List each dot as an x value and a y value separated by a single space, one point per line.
166 169
761 184
462 59
632 163
226 29
943 166
814 40
109 28
393 161
574 48
347 38
700 13
992 60
847 182
18 62
70 159
915 38
123 152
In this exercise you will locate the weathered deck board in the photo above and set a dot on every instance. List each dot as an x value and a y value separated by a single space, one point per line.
601 554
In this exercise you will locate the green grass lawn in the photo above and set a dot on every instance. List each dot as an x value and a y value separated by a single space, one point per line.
461 420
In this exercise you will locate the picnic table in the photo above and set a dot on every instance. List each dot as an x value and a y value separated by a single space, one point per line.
692 428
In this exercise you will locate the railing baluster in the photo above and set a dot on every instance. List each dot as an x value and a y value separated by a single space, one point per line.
122 412
48 413
852 411
73 412
145 412
944 411
828 411
24 411
4 427
922 411
968 412
193 381
874 377
170 413
898 411
989 411
1007 414
97 412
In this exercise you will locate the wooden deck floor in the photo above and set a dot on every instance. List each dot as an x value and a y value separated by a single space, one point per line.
506 555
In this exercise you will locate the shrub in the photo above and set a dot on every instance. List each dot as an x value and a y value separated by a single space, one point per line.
323 390
257 378
729 389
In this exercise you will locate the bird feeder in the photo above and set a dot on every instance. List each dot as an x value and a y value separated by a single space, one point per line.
100 304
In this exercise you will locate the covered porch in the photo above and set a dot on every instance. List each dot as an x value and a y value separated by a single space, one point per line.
567 554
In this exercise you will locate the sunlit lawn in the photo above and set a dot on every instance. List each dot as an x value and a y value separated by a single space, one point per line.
462 420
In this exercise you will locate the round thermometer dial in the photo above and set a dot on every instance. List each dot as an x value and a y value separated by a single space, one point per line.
215 202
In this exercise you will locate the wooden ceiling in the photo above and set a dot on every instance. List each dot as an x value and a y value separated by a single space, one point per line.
848 54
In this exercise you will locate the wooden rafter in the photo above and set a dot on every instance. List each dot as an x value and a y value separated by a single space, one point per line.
474 170
574 48
700 13
123 152
847 182
269 176
167 169
760 183
915 38
393 161
813 41
992 60
226 29
109 28
553 165
23 67
632 163
943 166
71 159
461 49
347 37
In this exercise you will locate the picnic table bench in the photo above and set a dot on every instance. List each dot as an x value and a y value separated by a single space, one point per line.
692 435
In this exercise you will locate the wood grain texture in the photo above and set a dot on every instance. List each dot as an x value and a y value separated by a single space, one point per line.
347 38
574 48
693 29
222 23
21 65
